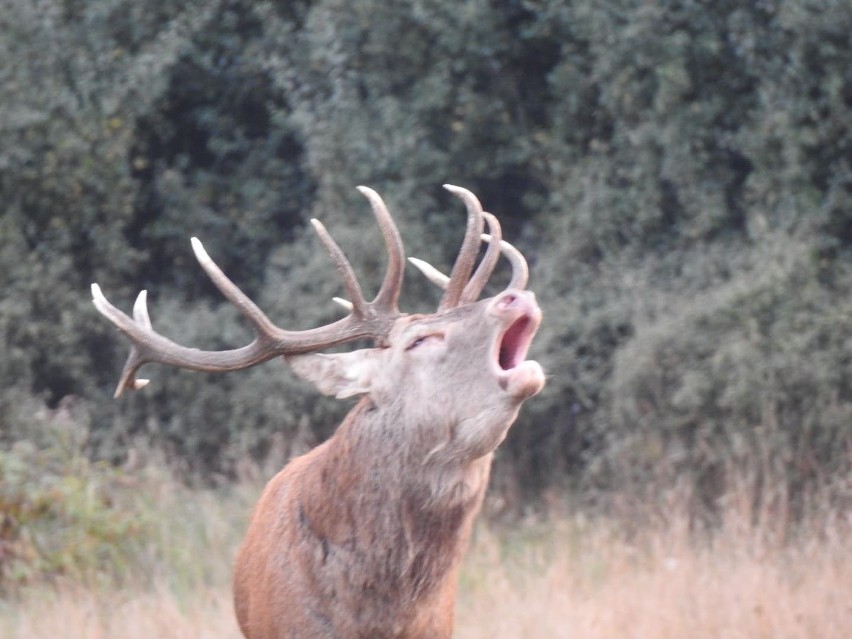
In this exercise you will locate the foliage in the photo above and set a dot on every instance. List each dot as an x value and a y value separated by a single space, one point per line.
678 173
66 519
574 572
706 250
60 513
752 374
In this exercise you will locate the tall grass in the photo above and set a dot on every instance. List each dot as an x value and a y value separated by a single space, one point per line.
588 580
572 576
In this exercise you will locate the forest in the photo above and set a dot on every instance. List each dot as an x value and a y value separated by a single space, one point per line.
677 172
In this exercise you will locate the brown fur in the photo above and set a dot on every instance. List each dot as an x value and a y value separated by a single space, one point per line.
363 536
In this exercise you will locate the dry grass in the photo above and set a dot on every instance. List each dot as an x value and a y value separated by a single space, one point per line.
75 613
569 578
594 584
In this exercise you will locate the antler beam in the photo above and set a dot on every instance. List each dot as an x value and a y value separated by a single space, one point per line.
370 320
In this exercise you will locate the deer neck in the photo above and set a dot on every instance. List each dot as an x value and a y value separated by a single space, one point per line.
388 450
367 477
405 525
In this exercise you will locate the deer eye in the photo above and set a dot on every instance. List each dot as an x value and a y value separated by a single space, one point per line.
422 339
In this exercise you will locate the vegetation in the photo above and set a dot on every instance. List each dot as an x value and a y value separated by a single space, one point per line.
570 575
678 172
61 514
65 519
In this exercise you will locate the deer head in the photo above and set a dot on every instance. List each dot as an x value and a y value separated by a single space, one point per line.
439 393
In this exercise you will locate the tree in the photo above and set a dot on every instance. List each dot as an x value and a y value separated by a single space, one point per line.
678 173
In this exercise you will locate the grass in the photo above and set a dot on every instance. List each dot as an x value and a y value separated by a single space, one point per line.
658 586
570 576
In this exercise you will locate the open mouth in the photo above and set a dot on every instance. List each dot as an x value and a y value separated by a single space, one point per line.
515 342
517 376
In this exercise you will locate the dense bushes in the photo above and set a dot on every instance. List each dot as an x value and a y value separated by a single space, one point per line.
679 175
60 513
65 519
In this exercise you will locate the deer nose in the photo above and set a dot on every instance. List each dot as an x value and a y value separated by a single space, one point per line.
514 299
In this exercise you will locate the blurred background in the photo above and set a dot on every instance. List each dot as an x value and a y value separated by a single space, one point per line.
679 175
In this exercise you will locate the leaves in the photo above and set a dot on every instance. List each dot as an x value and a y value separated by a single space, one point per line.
656 162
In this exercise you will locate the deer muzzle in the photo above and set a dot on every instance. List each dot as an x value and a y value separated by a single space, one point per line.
518 316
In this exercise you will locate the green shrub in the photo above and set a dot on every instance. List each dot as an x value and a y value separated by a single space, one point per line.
750 376
644 155
60 512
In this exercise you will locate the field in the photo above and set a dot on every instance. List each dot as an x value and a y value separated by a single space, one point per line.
567 575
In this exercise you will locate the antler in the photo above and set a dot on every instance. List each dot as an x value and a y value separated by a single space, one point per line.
460 287
466 258
372 319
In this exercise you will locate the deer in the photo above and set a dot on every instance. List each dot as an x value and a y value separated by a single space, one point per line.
362 537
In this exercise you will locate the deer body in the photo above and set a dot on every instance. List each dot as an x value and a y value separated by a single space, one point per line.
368 529
357 554
362 537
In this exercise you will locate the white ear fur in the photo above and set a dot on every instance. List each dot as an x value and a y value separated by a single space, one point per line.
338 374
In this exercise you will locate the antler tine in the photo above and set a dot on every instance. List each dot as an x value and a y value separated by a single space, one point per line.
388 296
248 309
350 282
486 267
432 274
520 270
463 266
140 317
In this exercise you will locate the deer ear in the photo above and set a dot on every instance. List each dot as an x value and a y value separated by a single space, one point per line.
339 374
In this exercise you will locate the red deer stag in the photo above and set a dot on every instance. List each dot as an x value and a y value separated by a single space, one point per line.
362 537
